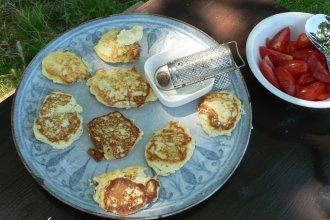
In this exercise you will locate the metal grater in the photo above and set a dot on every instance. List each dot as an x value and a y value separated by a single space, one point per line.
197 67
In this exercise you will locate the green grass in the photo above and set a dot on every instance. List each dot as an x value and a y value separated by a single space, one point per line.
27 26
310 6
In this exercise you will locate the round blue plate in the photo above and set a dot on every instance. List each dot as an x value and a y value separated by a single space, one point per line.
67 173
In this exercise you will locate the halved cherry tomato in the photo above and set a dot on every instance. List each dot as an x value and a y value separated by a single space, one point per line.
268 41
299 88
311 92
295 67
275 56
268 61
266 66
306 79
286 80
317 69
304 54
291 47
281 39
327 86
304 42
323 96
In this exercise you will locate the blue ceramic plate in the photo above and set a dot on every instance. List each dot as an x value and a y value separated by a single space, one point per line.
67 173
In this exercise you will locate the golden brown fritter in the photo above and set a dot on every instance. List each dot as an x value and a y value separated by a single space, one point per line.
219 113
59 123
109 50
170 148
114 135
125 192
64 67
120 88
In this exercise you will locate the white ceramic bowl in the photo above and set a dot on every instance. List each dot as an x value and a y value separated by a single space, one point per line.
268 28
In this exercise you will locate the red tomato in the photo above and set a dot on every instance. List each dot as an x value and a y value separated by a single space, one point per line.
291 47
295 67
266 66
286 80
299 88
280 41
317 69
268 61
306 79
268 40
327 86
275 56
311 92
304 54
304 42
324 96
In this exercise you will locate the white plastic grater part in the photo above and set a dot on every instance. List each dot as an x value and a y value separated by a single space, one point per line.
181 96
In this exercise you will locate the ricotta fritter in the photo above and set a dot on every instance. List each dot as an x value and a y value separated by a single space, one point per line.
120 88
59 123
114 135
119 45
126 191
219 113
64 67
58 130
58 102
170 148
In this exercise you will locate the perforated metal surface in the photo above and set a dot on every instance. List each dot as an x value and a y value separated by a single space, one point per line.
222 82
200 66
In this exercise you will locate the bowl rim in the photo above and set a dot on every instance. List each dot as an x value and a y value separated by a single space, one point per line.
253 64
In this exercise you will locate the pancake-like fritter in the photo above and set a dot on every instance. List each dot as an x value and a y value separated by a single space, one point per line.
59 102
64 67
118 45
125 192
120 88
170 148
114 135
58 130
219 113
59 123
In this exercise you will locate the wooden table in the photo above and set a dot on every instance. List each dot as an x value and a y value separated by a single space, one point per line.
281 172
